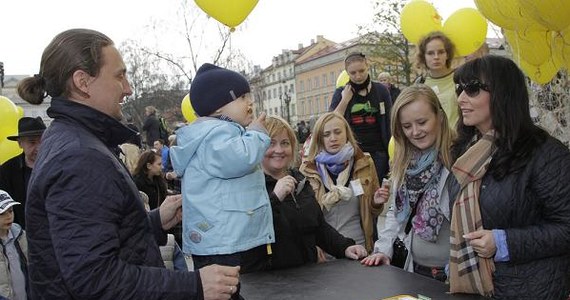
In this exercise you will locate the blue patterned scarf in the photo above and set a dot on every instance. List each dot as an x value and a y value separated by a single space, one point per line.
420 190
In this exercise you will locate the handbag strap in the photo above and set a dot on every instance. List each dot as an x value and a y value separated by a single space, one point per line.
414 210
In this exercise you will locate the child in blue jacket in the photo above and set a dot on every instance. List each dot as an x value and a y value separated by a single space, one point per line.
226 209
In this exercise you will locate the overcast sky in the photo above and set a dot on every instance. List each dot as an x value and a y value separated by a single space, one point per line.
29 25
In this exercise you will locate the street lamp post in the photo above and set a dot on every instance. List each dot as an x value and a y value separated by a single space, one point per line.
287 99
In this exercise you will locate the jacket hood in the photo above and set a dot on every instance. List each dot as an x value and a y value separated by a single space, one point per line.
110 131
189 138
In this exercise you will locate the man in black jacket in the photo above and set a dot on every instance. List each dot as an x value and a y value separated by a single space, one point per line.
15 173
89 236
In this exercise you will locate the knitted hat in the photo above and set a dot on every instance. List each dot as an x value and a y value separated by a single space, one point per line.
214 87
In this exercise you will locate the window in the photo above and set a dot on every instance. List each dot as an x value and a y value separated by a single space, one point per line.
324 80
302 84
280 91
310 106
291 89
309 86
317 82
333 78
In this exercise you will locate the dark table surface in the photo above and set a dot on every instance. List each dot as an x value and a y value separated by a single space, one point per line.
342 279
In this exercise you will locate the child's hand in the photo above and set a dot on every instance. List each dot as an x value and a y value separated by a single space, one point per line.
258 123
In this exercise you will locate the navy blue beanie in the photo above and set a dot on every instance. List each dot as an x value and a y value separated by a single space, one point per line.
214 87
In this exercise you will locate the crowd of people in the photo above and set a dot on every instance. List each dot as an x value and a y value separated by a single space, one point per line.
475 194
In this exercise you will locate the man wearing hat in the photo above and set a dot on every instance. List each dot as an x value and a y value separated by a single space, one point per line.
13 249
15 173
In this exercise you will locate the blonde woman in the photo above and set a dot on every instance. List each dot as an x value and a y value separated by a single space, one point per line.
419 212
344 179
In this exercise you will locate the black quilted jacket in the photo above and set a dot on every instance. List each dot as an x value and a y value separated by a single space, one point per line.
533 207
89 236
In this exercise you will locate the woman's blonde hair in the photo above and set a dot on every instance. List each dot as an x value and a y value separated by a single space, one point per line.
317 141
403 147
276 125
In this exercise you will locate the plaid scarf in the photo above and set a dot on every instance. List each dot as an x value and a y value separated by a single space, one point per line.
470 273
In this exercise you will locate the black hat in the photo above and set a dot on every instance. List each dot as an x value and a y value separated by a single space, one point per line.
214 87
29 127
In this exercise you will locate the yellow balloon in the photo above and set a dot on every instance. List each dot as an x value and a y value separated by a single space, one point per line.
541 74
552 14
8 149
187 110
508 14
20 111
561 48
467 28
417 19
9 116
531 46
228 12
342 79
391 148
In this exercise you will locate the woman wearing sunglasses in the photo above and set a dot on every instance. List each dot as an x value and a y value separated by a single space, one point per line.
435 54
298 220
419 214
510 225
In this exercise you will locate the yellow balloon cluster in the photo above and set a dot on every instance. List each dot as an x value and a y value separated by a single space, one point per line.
188 110
538 33
228 12
9 114
466 27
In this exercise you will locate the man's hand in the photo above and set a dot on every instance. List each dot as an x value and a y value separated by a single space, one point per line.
483 242
375 260
171 211
355 252
219 282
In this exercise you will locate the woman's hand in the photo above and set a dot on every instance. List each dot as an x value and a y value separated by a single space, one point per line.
321 255
376 259
170 175
284 187
483 242
381 195
347 92
355 252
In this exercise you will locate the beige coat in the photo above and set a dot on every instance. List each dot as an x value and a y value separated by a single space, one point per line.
365 171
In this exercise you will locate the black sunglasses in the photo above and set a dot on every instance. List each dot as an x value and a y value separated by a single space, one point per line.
471 88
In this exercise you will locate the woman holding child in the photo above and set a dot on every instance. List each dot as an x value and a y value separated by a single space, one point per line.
298 220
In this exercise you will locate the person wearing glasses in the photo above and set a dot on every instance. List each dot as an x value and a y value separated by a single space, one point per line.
510 225
366 106
419 211
434 55
299 223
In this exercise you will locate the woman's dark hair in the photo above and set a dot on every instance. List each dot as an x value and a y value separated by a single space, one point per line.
516 135
69 51
147 157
